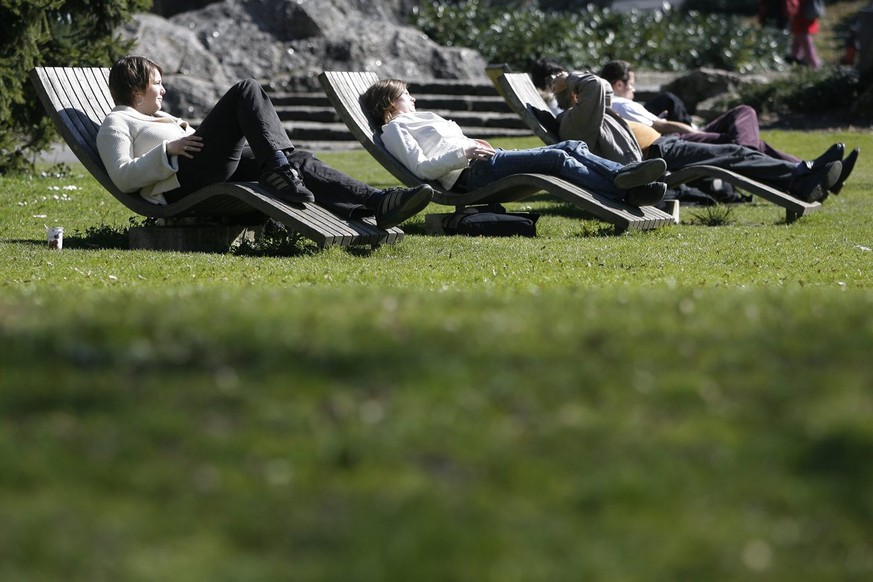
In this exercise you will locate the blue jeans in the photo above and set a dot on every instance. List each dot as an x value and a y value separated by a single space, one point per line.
569 160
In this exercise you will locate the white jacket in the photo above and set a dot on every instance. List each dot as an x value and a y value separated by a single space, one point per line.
133 147
430 146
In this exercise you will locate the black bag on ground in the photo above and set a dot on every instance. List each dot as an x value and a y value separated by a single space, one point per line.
491 220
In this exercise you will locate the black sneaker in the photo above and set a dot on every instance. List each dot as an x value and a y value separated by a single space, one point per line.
814 185
848 166
640 173
646 195
832 154
286 183
398 204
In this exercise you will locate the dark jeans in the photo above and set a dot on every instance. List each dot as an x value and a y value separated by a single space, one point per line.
570 160
753 164
738 126
243 131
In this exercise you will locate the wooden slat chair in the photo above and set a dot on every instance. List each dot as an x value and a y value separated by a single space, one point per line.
523 98
495 71
345 89
77 99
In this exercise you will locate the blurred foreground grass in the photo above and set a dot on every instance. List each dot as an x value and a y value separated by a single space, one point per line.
687 404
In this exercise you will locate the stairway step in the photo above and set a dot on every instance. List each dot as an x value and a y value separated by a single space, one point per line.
309 118
308 113
425 101
452 87
309 131
468 118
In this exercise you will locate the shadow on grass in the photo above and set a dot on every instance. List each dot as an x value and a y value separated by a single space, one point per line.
103 237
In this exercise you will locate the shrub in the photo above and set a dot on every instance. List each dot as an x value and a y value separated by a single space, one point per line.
805 91
45 33
587 37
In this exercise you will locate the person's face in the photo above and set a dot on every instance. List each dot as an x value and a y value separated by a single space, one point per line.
148 102
625 88
404 104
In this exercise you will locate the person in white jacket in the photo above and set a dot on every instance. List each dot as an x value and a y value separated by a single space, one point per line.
241 139
434 148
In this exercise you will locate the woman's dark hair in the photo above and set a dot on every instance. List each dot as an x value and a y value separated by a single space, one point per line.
130 74
379 98
615 71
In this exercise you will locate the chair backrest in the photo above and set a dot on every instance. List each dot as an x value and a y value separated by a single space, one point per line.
345 89
494 72
523 97
77 100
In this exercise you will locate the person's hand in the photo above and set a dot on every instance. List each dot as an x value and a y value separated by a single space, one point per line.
186 146
480 150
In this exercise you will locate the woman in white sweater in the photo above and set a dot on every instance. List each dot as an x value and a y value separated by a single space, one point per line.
434 148
242 138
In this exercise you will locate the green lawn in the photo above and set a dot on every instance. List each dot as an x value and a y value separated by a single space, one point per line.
687 404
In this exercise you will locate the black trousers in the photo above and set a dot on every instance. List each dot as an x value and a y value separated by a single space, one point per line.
243 131
753 164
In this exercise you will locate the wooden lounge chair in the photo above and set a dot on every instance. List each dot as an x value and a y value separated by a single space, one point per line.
77 99
522 97
344 89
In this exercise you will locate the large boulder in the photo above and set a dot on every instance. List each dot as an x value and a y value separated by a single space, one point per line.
289 42
300 38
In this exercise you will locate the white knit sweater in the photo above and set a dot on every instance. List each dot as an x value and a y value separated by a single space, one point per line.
430 146
133 147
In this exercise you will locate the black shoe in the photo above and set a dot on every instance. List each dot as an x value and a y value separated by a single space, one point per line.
832 154
646 195
398 204
639 173
286 183
848 166
814 185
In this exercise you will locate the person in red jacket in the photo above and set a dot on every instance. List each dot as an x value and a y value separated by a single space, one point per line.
803 28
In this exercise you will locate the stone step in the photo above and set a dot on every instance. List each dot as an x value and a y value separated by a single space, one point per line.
303 131
424 101
483 88
311 121
466 118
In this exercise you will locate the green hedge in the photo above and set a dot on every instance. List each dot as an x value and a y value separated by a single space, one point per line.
590 36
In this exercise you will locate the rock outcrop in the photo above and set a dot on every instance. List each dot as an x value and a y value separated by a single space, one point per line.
287 43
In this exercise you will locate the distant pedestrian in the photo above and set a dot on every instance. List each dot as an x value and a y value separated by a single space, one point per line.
805 15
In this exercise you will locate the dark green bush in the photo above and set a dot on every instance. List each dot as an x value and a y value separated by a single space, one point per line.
806 91
587 37
49 32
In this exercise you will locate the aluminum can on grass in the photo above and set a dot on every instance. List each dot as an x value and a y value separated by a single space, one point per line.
55 236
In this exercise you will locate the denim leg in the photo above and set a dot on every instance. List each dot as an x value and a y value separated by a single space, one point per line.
569 160
243 114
